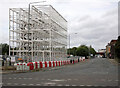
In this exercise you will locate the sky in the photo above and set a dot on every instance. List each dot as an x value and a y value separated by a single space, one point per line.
90 22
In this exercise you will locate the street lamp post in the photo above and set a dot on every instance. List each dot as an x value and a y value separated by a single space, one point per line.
29 23
69 44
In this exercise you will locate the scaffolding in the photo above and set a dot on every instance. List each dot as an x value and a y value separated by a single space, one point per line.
42 38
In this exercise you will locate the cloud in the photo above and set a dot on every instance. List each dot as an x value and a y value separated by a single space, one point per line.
95 21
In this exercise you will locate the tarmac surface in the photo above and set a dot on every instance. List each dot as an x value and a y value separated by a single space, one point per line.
92 72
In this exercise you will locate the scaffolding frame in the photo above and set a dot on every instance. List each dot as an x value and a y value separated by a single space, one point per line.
47 38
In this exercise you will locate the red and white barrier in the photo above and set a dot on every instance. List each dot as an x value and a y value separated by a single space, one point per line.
37 65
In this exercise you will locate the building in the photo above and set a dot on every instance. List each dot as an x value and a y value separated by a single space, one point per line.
101 53
37 35
110 49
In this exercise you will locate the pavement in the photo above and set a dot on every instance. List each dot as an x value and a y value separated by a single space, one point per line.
93 72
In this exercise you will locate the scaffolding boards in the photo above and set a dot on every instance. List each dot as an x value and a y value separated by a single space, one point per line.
42 38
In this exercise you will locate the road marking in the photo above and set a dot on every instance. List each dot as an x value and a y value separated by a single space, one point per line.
38 84
82 85
67 85
69 79
31 84
58 80
15 83
23 84
9 83
89 85
10 78
48 79
74 85
49 83
116 80
59 85
19 78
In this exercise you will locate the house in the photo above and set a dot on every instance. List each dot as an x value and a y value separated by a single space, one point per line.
110 49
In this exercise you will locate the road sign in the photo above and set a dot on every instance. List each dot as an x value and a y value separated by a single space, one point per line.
12 59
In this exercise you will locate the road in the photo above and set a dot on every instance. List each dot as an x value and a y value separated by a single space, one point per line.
92 72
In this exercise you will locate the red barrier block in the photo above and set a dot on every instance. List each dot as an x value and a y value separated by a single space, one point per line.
45 64
49 63
53 64
36 65
59 63
56 63
41 65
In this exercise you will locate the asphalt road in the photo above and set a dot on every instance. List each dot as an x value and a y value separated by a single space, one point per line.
92 72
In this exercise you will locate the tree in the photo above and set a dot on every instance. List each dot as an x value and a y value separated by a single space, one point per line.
92 51
117 48
4 48
72 51
82 51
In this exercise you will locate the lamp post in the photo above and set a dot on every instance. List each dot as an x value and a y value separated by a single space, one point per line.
29 23
69 43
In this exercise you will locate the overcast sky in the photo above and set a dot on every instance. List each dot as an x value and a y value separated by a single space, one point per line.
94 21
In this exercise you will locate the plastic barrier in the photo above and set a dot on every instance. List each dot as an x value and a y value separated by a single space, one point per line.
24 66
59 63
41 64
36 65
53 64
56 63
49 63
45 64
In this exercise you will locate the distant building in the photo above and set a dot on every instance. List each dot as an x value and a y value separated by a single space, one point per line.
110 49
101 53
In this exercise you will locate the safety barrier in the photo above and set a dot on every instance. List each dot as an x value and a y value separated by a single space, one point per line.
38 65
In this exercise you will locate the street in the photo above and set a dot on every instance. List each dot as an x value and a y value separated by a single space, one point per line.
91 72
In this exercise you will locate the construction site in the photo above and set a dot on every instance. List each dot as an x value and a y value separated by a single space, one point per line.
38 33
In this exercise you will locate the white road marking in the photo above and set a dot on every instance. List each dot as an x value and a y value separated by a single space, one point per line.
58 80
15 83
31 84
74 85
116 80
9 83
59 85
88 85
69 79
49 83
38 84
82 85
23 84
67 85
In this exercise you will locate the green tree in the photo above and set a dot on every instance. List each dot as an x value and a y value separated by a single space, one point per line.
92 51
4 49
82 51
117 49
